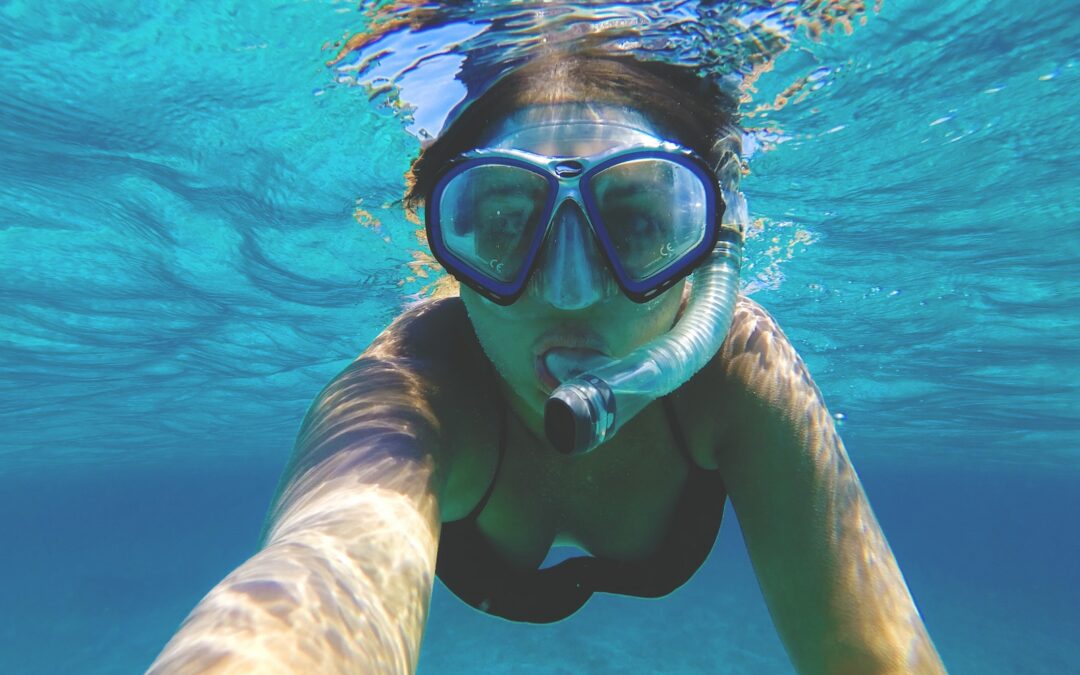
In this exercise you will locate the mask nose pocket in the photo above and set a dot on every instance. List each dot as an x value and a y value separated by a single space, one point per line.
571 272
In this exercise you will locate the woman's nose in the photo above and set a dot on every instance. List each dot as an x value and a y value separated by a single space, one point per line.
571 273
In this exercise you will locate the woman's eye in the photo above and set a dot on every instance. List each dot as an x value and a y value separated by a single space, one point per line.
637 221
495 222
503 216
644 222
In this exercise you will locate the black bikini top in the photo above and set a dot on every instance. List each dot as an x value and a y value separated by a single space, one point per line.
471 568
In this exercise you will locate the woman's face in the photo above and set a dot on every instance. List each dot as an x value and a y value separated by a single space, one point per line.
572 304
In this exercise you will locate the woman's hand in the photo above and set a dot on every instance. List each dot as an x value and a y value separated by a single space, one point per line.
831 582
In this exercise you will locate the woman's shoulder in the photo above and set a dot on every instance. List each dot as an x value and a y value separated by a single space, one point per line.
756 357
429 328
434 343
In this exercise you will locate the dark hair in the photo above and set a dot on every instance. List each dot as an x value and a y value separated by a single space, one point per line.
693 110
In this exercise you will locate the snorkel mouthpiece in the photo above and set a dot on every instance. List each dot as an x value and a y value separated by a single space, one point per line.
586 410
579 412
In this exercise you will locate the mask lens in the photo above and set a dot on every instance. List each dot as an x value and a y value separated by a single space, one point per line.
489 217
654 212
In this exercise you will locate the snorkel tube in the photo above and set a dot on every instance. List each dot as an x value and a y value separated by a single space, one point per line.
591 406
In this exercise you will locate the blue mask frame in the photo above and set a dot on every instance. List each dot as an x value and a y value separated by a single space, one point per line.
568 178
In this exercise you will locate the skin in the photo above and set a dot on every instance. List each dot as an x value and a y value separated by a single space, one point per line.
404 439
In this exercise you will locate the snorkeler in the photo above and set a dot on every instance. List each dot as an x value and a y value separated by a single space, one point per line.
572 394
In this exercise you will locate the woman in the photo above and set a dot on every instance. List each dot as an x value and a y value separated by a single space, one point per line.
571 200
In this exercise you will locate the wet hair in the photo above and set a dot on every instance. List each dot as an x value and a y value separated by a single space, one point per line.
688 108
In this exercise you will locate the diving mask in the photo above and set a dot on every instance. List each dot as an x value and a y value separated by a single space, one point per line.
653 208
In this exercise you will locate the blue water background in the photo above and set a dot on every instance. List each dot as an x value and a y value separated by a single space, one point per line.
181 271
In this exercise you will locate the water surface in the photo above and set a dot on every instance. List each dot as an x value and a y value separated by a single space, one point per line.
199 226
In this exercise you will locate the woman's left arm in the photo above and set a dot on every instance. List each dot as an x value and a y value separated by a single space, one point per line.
830 580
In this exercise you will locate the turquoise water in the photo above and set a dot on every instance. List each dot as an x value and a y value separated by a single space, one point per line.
182 267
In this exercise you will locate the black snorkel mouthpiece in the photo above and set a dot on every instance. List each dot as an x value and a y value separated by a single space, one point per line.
574 416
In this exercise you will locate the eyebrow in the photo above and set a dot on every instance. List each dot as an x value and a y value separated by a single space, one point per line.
631 187
505 188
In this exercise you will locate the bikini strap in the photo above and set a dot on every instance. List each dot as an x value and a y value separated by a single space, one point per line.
677 431
501 411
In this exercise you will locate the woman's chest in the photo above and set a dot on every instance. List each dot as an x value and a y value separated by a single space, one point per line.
616 502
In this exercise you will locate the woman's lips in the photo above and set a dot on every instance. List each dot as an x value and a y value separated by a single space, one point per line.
558 364
569 345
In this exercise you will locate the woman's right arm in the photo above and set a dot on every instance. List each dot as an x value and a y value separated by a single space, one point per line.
344 579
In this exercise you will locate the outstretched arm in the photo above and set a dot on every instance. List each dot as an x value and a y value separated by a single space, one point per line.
344 579
830 580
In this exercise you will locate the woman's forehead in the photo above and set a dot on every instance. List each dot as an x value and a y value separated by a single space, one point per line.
575 129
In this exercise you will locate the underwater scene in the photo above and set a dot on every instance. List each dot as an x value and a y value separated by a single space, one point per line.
202 222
